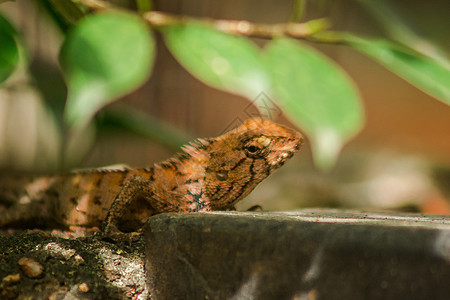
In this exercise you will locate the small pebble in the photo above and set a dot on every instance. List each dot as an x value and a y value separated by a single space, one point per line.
78 259
11 278
57 251
83 287
30 267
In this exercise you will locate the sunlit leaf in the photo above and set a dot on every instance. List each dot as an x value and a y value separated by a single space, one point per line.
224 61
316 95
104 57
9 52
423 72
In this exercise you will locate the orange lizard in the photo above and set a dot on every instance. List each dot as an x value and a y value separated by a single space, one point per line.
209 174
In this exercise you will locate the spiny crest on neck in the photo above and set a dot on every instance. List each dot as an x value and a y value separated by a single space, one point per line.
195 146
194 149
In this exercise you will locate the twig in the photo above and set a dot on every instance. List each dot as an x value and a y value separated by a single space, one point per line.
97 4
239 27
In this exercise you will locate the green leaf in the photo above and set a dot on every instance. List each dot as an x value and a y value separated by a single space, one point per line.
227 62
423 72
316 95
104 57
9 52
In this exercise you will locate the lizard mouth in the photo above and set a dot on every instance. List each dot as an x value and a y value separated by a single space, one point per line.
287 152
281 159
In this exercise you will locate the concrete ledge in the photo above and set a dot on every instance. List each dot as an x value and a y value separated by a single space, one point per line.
311 254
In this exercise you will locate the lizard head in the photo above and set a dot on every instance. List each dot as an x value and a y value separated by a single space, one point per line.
240 159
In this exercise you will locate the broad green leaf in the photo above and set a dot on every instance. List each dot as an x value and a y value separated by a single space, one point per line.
104 57
423 72
316 95
9 52
224 61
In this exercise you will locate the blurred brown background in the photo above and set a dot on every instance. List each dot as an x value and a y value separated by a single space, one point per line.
401 159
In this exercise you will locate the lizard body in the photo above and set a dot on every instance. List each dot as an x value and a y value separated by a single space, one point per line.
209 174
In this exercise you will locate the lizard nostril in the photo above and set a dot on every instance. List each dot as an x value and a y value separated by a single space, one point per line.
222 175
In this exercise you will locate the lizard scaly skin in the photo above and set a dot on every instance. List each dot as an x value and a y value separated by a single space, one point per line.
209 174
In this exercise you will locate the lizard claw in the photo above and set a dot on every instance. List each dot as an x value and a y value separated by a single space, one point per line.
255 208
118 236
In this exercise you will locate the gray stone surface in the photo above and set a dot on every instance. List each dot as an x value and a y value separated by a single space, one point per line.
298 255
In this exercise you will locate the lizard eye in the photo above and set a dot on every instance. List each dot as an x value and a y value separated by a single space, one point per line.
222 175
257 147
252 149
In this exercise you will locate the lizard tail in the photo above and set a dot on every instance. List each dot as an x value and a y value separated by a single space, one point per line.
23 216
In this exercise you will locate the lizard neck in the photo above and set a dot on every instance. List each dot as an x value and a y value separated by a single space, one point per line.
182 178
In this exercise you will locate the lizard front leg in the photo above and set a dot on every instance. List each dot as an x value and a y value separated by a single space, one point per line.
135 187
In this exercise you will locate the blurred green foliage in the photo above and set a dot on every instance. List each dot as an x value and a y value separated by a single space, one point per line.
9 52
316 93
227 62
108 54
100 67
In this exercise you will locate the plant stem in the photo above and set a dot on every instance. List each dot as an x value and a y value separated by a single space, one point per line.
298 10
239 27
